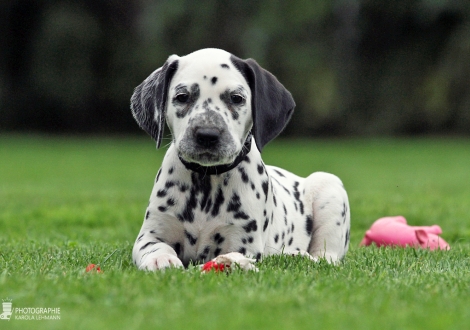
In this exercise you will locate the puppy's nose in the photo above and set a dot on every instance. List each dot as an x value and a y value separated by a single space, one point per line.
207 137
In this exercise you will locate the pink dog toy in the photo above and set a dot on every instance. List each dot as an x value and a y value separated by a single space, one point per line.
394 231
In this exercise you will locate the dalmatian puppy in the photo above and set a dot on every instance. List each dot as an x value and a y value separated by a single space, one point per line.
213 195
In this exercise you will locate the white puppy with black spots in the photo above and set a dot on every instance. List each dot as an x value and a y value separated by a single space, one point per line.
213 195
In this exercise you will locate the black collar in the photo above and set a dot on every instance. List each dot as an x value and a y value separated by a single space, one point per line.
219 169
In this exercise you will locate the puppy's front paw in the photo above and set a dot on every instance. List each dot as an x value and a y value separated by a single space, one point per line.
236 258
160 262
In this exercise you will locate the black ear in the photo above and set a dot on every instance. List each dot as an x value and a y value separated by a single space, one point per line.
272 104
148 103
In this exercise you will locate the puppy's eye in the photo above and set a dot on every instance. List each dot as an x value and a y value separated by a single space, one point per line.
182 98
236 99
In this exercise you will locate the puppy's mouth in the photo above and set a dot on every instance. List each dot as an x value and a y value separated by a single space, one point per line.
207 158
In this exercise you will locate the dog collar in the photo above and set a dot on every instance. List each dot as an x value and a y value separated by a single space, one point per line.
219 169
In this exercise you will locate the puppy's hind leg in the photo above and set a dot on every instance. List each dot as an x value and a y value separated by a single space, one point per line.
330 218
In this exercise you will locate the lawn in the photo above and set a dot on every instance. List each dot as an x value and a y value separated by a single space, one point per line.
66 202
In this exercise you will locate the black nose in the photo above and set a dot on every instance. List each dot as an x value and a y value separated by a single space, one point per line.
207 137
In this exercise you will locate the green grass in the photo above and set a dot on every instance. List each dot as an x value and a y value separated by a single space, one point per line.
68 202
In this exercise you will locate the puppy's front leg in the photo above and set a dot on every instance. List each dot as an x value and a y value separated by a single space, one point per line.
151 254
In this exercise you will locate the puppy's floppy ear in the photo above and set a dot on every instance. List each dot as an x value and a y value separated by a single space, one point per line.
148 103
272 104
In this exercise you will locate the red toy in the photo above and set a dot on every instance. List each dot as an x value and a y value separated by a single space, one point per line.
224 262
212 265
94 267
394 231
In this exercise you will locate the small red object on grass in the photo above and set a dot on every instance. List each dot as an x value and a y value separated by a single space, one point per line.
94 267
212 265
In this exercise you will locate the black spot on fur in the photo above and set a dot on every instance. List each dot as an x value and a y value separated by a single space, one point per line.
169 184
257 195
162 208
213 80
188 211
158 175
217 252
250 239
192 240
170 202
244 176
242 250
170 171
140 237
346 241
241 215
265 226
274 200
276 238
183 187
147 245
258 256
162 193
225 66
218 238
309 225
177 248
205 187
250 226
244 240
279 173
265 186
234 203
297 197
290 241
260 169
219 199
147 214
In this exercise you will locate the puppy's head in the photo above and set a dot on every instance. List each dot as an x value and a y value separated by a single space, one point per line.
211 100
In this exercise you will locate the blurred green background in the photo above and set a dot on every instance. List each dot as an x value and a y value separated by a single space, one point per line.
354 67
